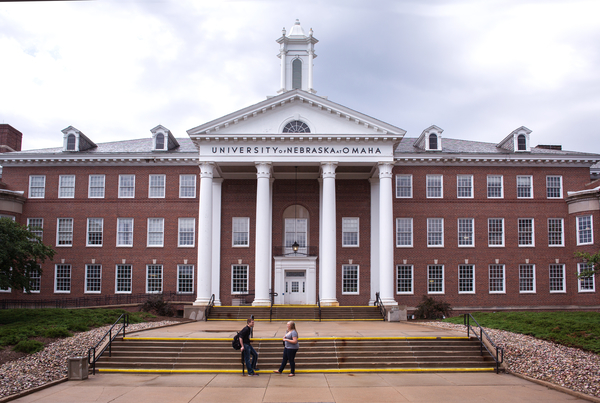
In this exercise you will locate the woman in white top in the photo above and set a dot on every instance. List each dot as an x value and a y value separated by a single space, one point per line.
291 345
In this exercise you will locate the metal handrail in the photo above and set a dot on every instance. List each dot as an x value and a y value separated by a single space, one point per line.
273 295
211 303
319 303
379 303
499 358
92 356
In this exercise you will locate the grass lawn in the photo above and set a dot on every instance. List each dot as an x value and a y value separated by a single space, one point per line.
574 329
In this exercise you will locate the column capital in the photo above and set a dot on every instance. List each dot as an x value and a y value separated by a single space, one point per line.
328 169
206 169
263 169
385 169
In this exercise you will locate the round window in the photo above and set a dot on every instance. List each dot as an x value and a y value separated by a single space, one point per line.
296 126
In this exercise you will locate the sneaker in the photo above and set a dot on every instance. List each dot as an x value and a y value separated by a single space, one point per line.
256 369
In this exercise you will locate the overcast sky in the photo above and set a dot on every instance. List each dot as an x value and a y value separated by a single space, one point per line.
477 69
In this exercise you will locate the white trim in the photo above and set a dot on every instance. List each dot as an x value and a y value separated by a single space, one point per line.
179 267
119 194
150 187
98 187
412 279
58 232
562 232
193 232
181 176
56 291
162 270
534 291
411 232
487 188
432 176
41 187
472 185
474 282
132 227
410 177
530 186
357 292
472 244
443 279
87 233
563 277
578 234
532 245
130 278
503 233
442 224
581 280
161 222
85 285
61 187
345 245
561 186
233 231
247 272
503 291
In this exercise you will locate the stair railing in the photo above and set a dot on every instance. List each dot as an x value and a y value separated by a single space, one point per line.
273 295
93 355
499 357
379 303
211 303
319 303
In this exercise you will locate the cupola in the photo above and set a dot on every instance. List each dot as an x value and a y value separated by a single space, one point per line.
297 52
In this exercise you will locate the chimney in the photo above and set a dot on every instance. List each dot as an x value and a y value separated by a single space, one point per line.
10 138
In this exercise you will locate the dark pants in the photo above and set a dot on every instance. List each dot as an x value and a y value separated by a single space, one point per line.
288 355
250 364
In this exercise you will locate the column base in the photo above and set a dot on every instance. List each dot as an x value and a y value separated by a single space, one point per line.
330 303
261 302
201 302
389 302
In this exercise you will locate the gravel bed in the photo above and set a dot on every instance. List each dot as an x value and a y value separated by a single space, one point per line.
568 367
50 364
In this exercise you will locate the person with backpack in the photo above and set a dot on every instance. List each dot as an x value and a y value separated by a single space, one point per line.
247 348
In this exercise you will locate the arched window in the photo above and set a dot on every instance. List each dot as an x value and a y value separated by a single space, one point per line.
160 141
297 74
521 142
71 142
296 126
433 142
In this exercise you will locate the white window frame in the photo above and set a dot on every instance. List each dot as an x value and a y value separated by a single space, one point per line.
67 280
89 279
400 187
519 232
562 233
429 186
522 278
185 278
31 224
156 190
465 280
126 191
463 187
88 232
562 279
348 227
39 190
186 228
122 230
404 280
93 191
585 284
433 280
35 277
66 190
65 230
490 187
239 227
240 281
156 226
409 221
520 187
503 279
185 187
462 243
490 233
346 268
430 233
157 283
549 187
580 232
126 281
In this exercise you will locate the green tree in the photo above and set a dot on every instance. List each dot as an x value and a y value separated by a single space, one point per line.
592 260
21 253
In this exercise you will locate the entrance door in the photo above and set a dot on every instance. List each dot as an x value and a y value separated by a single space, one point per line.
295 288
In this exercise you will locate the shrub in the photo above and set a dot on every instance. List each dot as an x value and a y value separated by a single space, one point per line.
158 305
56 332
28 346
429 308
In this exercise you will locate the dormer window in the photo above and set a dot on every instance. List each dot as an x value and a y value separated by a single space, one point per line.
517 141
74 140
71 142
163 139
433 141
430 139
160 141
296 126
522 142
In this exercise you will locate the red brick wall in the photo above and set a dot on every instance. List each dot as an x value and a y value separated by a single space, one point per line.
10 138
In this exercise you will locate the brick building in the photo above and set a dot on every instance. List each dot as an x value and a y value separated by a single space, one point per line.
307 200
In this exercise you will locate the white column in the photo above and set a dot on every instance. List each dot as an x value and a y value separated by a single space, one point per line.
262 256
310 70
283 57
386 235
374 238
204 280
216 243
328 252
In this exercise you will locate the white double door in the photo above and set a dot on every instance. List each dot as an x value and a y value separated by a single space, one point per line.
295 287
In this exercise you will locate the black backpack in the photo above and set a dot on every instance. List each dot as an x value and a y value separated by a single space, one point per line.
236 344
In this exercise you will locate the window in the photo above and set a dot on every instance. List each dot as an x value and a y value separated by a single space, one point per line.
555 232
94 231
297 74
93 278
404 279
187 186
403 186
96 189
524 190
154 273
349 231
295 231
435 232
62 278
557 278
465 232
464 186
156 227
185 278
36 226
521 142
123 279
349 279
495 188
434 186
35 280
66 186
296 126
156 187
584 230
497 280
404 232
466 279
160 141
495 231
126 186
554 187
37 186
239 279
526 237
71 142
433 142
241 231
124 231
187 231
585 284
435 279
526 278
64 232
